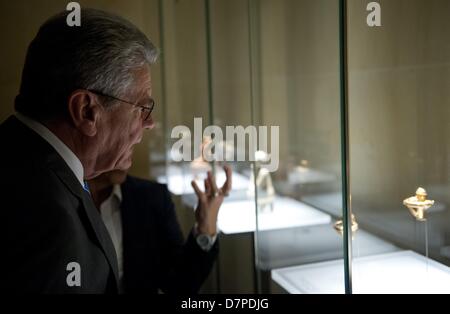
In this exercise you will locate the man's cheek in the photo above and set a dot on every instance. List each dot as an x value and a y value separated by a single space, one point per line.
125 161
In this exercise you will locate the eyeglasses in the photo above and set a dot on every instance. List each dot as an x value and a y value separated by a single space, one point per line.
146 110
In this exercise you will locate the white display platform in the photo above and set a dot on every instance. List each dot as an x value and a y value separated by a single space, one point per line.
314 244
239 216
392 273
179 181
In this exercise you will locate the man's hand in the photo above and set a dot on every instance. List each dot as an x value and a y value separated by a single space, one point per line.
209 202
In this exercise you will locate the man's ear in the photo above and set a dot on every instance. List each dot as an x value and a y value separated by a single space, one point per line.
84 112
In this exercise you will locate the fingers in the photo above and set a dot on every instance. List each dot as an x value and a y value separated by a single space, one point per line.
197 189
207 187
212 181
226 188
211 188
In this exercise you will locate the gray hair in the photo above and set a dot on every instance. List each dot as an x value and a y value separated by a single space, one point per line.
100 55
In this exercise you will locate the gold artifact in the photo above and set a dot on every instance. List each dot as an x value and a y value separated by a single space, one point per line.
418 204
339 226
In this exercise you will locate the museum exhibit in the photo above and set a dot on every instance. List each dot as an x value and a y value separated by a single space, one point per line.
334 116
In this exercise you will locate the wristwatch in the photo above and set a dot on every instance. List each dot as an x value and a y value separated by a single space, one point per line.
205 241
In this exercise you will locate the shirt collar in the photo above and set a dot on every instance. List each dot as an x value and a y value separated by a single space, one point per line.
117 192
67 155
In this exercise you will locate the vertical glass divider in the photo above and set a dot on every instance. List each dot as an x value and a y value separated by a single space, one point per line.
345 152
211 104
163 86
209 69
253 48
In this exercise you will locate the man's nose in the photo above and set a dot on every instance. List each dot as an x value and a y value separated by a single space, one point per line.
149 123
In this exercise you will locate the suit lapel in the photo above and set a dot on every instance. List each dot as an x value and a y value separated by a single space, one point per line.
128 219
48 155
103 237
57 164
102 233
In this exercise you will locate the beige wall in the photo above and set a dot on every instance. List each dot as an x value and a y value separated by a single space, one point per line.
300 80
399 101
187 73
231 62
185 48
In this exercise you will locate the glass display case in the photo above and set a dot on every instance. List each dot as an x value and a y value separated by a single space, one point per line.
362 116
205 55
398 106
228 67
299 89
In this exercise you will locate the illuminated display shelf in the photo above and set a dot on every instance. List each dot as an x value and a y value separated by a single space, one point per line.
179 180
238 216
392 273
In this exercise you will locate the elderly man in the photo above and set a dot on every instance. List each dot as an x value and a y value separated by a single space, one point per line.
84 102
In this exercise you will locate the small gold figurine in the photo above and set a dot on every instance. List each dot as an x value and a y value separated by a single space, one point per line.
418 204
339 226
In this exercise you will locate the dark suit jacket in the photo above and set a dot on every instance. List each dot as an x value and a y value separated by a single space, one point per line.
48 221
155 253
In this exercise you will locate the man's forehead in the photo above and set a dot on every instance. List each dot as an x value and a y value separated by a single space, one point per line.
144 75
143 81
